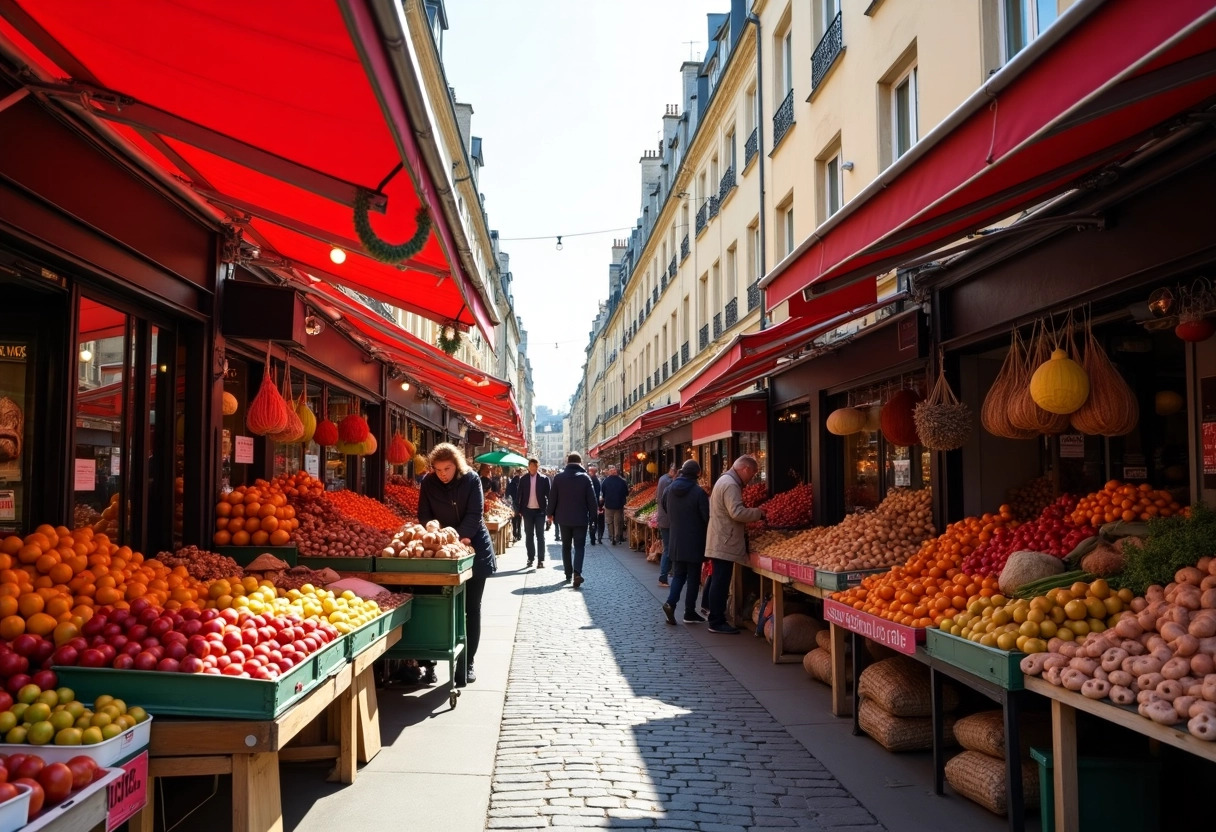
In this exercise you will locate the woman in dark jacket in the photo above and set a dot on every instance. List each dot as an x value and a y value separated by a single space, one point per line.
687 508
451 494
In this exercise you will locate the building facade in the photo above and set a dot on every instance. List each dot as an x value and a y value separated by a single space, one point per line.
549 440
795 108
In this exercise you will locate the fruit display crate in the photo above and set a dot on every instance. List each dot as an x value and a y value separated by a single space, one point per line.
84 809
441 565
367 635
898 637
15 811
245 555
837 581
206 695
1001 667
105 754
338 564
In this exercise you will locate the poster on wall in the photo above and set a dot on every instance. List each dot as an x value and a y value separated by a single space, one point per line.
85 475
244 450
312 465
12 409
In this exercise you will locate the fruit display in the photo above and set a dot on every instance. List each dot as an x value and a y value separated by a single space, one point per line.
888 535
402 495
497 509
429 541
791 509
49 783
1052 532
201 564
1029 500
1159 656
765 541
256 515
54 717
755 493
640 495
1121 501
326 532
365 510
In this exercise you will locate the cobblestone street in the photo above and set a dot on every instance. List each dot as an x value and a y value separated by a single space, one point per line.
614 719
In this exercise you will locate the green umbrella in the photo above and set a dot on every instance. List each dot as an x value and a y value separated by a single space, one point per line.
507 459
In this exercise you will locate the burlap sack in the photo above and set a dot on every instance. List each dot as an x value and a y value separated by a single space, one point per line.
985 732
901 733
981 778
818 665
900 686
823 639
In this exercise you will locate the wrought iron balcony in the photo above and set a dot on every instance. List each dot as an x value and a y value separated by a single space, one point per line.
664 371
703 338
732 313
713 207
675 361
783 119
663 282
647 306
728 183
753 296
684 353
702 217
654 295
684 247
717 325
647 384
752 147
825 54
671 267
657 378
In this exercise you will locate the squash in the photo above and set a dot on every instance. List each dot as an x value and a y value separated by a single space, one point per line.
846 421
898 424
1060 385
230 403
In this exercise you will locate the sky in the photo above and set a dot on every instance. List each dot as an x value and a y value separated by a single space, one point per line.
566 96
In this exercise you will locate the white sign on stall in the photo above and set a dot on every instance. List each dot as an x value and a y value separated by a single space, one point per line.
86 475
312 465
244 450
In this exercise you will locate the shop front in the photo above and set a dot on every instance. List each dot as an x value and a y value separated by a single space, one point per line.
740 427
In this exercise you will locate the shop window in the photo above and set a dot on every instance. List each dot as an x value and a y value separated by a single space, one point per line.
336 464
794 466
103 392
873 466
18 428
755 444
1024 20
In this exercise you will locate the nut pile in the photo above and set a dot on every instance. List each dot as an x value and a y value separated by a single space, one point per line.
324 532
201 564
391 600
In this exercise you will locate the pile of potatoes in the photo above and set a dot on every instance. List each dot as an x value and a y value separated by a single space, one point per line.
429 541
1159 656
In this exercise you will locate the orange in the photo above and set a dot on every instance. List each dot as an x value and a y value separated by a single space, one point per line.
29 553
11 626
40 624
259 538
30 603
8 606
108 595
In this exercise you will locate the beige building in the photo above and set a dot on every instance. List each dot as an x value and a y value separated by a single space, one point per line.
796 107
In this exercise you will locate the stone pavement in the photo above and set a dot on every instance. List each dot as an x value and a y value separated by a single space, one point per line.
614 719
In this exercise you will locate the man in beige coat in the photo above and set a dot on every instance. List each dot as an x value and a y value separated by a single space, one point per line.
726 542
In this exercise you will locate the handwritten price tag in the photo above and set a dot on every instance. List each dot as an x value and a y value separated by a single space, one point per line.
896 636
129 793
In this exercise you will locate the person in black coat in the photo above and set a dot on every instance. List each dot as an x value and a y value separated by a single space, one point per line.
531 503
571 502
595 523
516 519
687 508
451 495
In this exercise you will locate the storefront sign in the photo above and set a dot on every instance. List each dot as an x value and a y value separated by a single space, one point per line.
244 450
1209 448
903 472
1135 472
896 636
312 465
8 505
86 475
115 463
1072 446
129 793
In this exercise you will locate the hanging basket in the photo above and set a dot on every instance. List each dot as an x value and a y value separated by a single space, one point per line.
326 434
398 453
353 429
1024 413
994 415
294 431
1111 409
268 413
943 423
898 425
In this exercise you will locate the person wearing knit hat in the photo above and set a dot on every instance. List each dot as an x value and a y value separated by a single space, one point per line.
687 508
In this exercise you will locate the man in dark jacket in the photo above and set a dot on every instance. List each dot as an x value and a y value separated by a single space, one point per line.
615 492
512 489
531 502
595 523
660 515
687 508
571 502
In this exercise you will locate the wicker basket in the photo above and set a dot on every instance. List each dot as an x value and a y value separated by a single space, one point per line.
985 732
981 778
900 686
818 665
823 639
943 423
901 733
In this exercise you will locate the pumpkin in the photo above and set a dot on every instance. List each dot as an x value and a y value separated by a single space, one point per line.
846 420
1060 385
1196 329
230 403
420 464
268 413
353 428
308 420
652 468
1167 403
398 453
326 433
897 418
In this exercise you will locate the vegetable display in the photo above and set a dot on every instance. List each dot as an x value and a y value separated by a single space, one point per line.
326 532
1121 501
790 509
429 541
1053 532
367 511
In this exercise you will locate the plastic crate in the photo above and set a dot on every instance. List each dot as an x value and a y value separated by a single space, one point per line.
205 695
245 555
15 811
1002 667
372 631
105 754
836 581
436 623
1114 794
445 566
57 817
339 564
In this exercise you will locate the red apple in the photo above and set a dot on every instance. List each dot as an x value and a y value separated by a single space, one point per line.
45 679
16 683
233 670
65 656
123 661
191 664
93 658
167 665
145 661
25 644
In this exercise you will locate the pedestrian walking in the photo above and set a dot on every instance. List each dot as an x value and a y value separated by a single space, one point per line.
726 542
513 489
452 496
531 501
595 523
615 491
660 515
571 502
687 509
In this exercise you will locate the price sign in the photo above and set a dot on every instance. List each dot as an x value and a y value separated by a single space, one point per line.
903 472
1135 472
86 475
244 450
312 465
129 793
116 464
1072 446
8 505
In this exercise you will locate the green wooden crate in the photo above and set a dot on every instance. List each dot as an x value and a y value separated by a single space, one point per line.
436 623
1002 667
204 695
339 564
245 555
371 632
837 581
440 565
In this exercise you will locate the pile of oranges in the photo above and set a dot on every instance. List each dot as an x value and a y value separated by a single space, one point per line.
1129 503
255 515
932 585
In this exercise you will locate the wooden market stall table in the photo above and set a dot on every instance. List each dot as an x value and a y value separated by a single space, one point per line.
1064 706
641 535
500 535
251 750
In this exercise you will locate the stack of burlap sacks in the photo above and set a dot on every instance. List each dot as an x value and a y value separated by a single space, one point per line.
979 772
799 630
896 706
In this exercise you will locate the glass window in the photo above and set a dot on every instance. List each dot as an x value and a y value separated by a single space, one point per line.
17 430
336 473
788 222
1025 20
831 185
103 391
903 113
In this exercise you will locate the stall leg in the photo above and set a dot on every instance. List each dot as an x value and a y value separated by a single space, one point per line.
840 687
1013 760
1064 767
859 664
369 719
257 805
343 727
778 620
939 753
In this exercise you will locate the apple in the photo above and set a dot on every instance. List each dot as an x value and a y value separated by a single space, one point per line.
211 626
108 651
112 629
93 626
6 702
160 625
232 641
123 661
16 682
119 641
262 673
148 615
192 627
150 642
229 615
146 661
25 644
133 648
212 671
13 663
93 658
223 661
79 643
209 614
167 665
174 637
43 651
139 605
199 646
138 632
233 670
190 664
45 679
67 655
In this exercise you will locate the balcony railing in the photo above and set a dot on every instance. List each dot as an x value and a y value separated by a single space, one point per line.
752 147
671 267
664 371
647 306
654 296
783 119
657 378
713 207
825 54
703 338
728 183
675 361
663 282
702 217
717 325
684 353
753 296
647 384
732 313
684 247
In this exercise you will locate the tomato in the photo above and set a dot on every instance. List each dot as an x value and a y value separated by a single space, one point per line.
37 795
29 768
7 792
57 781
83 769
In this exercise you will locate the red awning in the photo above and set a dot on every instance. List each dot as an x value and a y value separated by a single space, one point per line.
643 427
1036 128
753 355
277 111
737 417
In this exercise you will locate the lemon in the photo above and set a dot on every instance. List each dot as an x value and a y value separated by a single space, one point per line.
62 719
40 733
38 712
69 736
91 736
